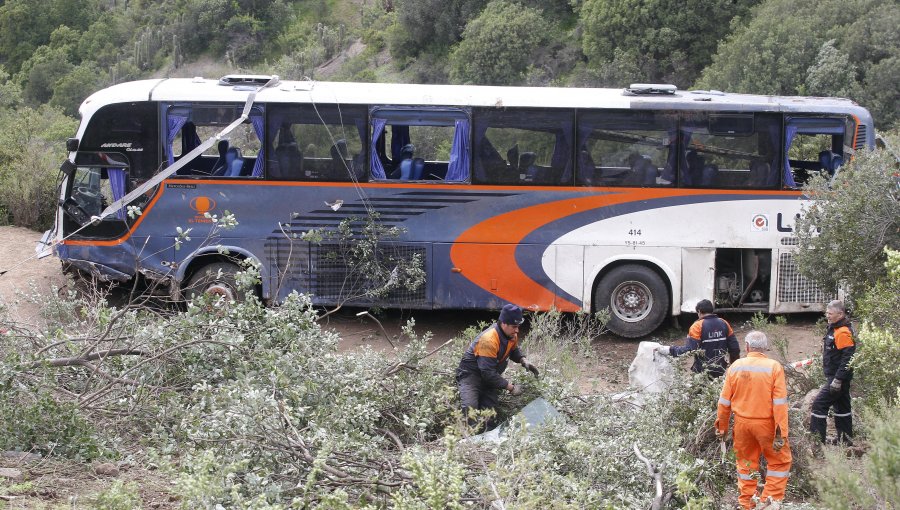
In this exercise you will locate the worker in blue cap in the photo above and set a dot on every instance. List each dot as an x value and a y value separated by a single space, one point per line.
480 372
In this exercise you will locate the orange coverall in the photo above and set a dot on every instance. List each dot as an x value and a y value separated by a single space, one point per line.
755 392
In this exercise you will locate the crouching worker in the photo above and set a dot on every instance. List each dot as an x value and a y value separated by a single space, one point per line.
479 374
712 338
755 392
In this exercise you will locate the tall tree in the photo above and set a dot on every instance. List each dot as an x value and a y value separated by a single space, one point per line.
498 45
672 39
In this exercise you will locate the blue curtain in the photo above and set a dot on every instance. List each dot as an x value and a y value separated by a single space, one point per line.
375 161
174 123
117 183
458 169
259 129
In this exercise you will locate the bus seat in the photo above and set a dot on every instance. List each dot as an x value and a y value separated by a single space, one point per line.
830 162
290 161
759 173
586 166
695 164
403 170
643 172
220 167
710 175
526 165
359 166
234 162
418 168
512 156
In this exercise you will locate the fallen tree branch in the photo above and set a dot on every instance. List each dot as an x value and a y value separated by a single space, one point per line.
80 360
656 475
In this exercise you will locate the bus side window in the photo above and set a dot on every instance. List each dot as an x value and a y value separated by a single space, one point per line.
813 145
523 147
188 125
626 148
730 150
315 143
420 145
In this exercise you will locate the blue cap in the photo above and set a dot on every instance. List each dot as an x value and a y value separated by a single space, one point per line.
511 314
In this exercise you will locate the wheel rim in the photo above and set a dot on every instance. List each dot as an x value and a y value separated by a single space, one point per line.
631 301
219 289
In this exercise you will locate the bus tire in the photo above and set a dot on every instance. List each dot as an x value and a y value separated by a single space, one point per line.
209 280
637 298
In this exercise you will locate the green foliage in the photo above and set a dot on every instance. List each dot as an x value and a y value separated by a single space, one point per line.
875 366
668 40
118 496
29 159
881 303
872 481
786 48
498 44
430 25
37 422
843 232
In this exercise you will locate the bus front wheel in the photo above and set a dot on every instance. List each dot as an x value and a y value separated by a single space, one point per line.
637 299
216 279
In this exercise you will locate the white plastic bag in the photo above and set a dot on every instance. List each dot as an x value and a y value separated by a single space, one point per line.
650 372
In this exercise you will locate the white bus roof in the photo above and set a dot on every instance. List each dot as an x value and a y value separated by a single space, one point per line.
207 90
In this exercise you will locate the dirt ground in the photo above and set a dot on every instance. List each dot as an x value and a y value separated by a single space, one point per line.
58 482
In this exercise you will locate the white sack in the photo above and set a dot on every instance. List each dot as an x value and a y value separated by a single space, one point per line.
650 372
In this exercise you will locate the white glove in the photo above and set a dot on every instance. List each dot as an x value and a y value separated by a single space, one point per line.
665 350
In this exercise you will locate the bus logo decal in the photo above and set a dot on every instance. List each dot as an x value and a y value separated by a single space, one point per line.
202 205
760 223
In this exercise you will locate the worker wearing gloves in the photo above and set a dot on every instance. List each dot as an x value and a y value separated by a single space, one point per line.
479 374
838 347
755 392
713 336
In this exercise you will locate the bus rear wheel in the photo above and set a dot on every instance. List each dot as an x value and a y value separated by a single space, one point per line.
216 279
637 299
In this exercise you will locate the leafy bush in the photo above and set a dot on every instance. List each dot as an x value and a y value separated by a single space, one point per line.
870 482
30 156
119 496
843 232
497 45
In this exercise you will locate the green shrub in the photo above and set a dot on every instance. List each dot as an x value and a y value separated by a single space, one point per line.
870 482
119 496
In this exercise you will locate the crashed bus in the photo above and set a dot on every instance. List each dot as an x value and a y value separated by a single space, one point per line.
642 200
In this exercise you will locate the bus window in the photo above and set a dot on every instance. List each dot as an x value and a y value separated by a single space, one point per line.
722 150
812 145
234 156
521 146
629 148
316 143
420 145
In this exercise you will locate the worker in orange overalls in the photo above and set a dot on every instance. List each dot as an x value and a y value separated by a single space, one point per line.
755 392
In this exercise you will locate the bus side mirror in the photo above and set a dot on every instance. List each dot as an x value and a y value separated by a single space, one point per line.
67 168
72 144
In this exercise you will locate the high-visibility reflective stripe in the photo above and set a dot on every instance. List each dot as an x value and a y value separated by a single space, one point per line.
778 401
814 415
745 368
778 474
842 414
742 476
712 340
724 402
